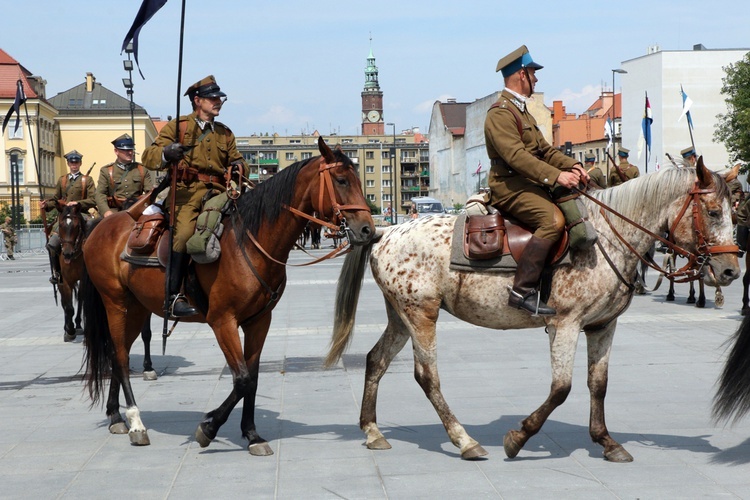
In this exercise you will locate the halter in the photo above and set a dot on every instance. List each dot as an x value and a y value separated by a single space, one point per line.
696 261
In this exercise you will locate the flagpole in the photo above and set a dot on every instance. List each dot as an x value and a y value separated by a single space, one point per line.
645 117
172 173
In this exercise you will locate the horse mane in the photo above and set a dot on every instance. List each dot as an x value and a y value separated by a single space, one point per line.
642 196
265 202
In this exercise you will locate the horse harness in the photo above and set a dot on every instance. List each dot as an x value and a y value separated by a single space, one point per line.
696 261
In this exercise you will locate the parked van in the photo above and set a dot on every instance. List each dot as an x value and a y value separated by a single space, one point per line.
427 206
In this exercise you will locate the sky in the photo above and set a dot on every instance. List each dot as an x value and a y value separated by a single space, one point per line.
293 67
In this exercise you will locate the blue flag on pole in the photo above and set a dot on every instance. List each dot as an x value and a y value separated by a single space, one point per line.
686 103
16 107
146 12
646 125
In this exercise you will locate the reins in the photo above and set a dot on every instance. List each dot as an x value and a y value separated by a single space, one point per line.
691 270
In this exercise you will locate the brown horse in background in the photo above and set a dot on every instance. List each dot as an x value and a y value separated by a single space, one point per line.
72 232
240 290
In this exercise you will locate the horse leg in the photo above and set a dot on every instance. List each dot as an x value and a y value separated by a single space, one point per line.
116 423
563 341
79 307
228 338
670 267
691 296
378 360
255 337
424 347
148 369
745 311
599 346
66 299
701 303
124 325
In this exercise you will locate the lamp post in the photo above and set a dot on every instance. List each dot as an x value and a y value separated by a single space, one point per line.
128 84
394 208
614 113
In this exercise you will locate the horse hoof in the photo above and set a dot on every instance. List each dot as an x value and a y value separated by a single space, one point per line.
474 452
618 455
745 311
719 300
669 299
139 438
690 301
201 437
511 445
259 449
118 428
69 338
379 444
149 375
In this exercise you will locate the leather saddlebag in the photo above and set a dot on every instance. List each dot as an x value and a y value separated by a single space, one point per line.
483 236
145 234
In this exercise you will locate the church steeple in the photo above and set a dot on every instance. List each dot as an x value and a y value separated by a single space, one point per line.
372 99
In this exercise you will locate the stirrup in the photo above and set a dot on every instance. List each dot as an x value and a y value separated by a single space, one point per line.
181 300
521 303
54 279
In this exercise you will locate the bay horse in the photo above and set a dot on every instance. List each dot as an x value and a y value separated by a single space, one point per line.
240 290
410 264
72 232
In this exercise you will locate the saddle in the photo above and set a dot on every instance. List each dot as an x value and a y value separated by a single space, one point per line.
146 245
494 235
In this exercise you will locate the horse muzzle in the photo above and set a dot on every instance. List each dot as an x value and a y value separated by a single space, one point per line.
721 270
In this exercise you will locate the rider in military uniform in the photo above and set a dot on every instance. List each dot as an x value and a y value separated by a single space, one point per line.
629 171
121 180
689 156
73 188
524 167
9 237
203 150
595 173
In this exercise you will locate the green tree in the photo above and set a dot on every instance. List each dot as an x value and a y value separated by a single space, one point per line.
733 128
373 208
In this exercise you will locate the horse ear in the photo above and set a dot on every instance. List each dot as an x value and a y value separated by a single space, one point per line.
705 178
732 174
325 151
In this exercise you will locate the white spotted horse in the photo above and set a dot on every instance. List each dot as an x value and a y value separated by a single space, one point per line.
411 265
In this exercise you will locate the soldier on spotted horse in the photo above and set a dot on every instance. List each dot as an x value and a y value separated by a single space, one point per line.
238 290
585 294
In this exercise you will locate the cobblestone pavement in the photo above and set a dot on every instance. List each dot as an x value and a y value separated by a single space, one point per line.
666 359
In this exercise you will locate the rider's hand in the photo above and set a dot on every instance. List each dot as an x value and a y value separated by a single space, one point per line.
174 152
569 179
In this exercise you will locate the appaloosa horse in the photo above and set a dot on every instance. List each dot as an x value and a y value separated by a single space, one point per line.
240 290
410 264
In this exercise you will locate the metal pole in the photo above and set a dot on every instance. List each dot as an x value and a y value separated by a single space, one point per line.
614 113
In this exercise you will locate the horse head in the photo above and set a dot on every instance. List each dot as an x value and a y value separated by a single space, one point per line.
337 196
703 226
71 229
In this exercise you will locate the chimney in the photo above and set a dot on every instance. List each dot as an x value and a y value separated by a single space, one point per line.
699 46
90 81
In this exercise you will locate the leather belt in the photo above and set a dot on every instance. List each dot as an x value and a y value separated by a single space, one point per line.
209 178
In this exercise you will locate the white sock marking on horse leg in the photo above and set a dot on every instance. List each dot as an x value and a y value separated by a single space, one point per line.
133 415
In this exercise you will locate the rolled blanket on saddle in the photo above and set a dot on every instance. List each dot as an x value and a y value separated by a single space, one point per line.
581 231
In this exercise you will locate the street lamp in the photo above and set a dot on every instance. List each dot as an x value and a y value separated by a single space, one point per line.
614 113
128 84
394 209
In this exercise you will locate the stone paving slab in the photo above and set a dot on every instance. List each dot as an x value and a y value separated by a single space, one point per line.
665 361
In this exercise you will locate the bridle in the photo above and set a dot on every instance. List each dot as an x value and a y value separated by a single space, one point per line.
696 260
78 241
338 226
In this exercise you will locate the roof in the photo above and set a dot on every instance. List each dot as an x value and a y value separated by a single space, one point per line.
454 116
10 72
100 101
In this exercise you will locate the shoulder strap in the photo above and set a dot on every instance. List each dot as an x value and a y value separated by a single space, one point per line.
64 184
182 125
515 115
83 186
111 170
140 170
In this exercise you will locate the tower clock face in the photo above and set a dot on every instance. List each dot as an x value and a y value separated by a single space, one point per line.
373 116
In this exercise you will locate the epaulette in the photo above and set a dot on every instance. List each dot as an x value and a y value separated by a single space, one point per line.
227 128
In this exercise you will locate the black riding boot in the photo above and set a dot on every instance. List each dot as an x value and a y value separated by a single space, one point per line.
54 247
179 306
530 266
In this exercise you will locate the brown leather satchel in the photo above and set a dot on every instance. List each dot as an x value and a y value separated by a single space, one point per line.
484 235
145 234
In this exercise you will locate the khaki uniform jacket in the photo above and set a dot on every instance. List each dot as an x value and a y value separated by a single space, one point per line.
74 192
597 176
121 183
9 235
215 152
630 171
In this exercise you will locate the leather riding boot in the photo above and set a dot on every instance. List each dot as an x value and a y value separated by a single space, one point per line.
54 247
179 306
524 294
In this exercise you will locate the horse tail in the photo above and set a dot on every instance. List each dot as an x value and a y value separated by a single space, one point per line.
97 354
732 399
347 296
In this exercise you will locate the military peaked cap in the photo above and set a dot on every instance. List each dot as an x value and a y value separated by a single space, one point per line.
590 159
205 88
623 152
688 152
519 58
73 156
124 142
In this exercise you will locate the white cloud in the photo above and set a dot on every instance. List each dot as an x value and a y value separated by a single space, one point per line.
579 101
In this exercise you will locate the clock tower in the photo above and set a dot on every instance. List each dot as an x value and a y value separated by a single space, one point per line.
372 101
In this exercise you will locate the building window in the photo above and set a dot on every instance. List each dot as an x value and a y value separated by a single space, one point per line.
266 141
369 169
370 155
295 141
290 157
386 169
371 198
16 168
306 155
384 155
12 132
386 183
370 183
